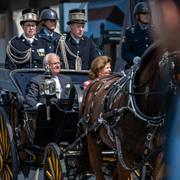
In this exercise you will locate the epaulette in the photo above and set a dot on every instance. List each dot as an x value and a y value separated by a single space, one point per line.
63 36
14 37
132 29
38 35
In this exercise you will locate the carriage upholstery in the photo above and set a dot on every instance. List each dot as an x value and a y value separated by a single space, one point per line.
62 124
22 77
5 81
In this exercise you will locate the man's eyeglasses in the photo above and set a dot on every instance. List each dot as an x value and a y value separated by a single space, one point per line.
30 25
55 63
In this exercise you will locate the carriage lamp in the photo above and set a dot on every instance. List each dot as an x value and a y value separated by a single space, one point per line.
47 86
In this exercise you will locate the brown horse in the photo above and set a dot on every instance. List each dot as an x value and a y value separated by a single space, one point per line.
127 114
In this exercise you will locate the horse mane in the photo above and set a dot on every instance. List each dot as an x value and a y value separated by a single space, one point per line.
151 81
149 66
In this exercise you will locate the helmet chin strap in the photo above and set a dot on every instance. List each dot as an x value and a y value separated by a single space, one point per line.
141 22
143 25
50 30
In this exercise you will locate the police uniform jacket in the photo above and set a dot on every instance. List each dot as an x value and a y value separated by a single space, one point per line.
24 53
51 41
33 95
135 42
86 50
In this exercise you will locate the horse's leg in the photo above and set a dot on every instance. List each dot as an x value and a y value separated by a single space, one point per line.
95 156
159 164
159 169
120 173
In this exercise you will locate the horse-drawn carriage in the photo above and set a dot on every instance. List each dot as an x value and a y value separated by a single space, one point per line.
38 137
126 113
48 137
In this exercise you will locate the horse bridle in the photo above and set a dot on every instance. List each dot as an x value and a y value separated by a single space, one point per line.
167 68
173 70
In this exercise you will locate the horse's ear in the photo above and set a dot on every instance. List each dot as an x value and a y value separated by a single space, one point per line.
150 51
148 54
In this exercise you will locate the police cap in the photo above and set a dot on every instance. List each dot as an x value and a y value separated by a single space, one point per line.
29 15
77 16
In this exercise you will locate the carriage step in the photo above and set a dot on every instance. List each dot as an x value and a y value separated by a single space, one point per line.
109 153
78 153
63 144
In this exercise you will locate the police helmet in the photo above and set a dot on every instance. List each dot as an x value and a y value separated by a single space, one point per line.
141 7
48 14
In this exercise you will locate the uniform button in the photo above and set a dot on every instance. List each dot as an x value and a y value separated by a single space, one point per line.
146 38
50 47
32 50
147 45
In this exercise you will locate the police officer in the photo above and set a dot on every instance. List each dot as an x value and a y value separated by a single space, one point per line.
48 19
75 49
138 37
26 50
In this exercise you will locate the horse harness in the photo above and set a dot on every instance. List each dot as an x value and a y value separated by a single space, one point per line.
110 117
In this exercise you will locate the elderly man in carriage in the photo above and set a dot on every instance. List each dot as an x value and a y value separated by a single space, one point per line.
51 89
62 85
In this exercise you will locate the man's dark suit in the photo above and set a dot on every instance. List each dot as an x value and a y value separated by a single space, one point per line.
32 91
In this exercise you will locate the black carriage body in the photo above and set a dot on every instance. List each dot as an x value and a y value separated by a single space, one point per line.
60 129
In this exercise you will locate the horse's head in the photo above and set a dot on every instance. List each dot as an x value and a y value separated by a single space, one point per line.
169 70
170 65
159 75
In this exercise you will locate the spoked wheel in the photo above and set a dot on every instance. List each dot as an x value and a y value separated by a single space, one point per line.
135 175
8 154
54 165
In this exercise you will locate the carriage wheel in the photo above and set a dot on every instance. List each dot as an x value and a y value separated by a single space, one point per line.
8 155
54 166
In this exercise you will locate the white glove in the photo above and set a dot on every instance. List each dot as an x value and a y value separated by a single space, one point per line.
136 60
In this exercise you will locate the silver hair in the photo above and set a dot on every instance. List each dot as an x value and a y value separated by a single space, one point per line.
47 57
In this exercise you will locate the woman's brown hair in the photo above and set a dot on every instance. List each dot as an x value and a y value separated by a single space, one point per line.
97 64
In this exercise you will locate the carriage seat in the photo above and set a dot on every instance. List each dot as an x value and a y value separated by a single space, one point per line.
63 122
21 78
